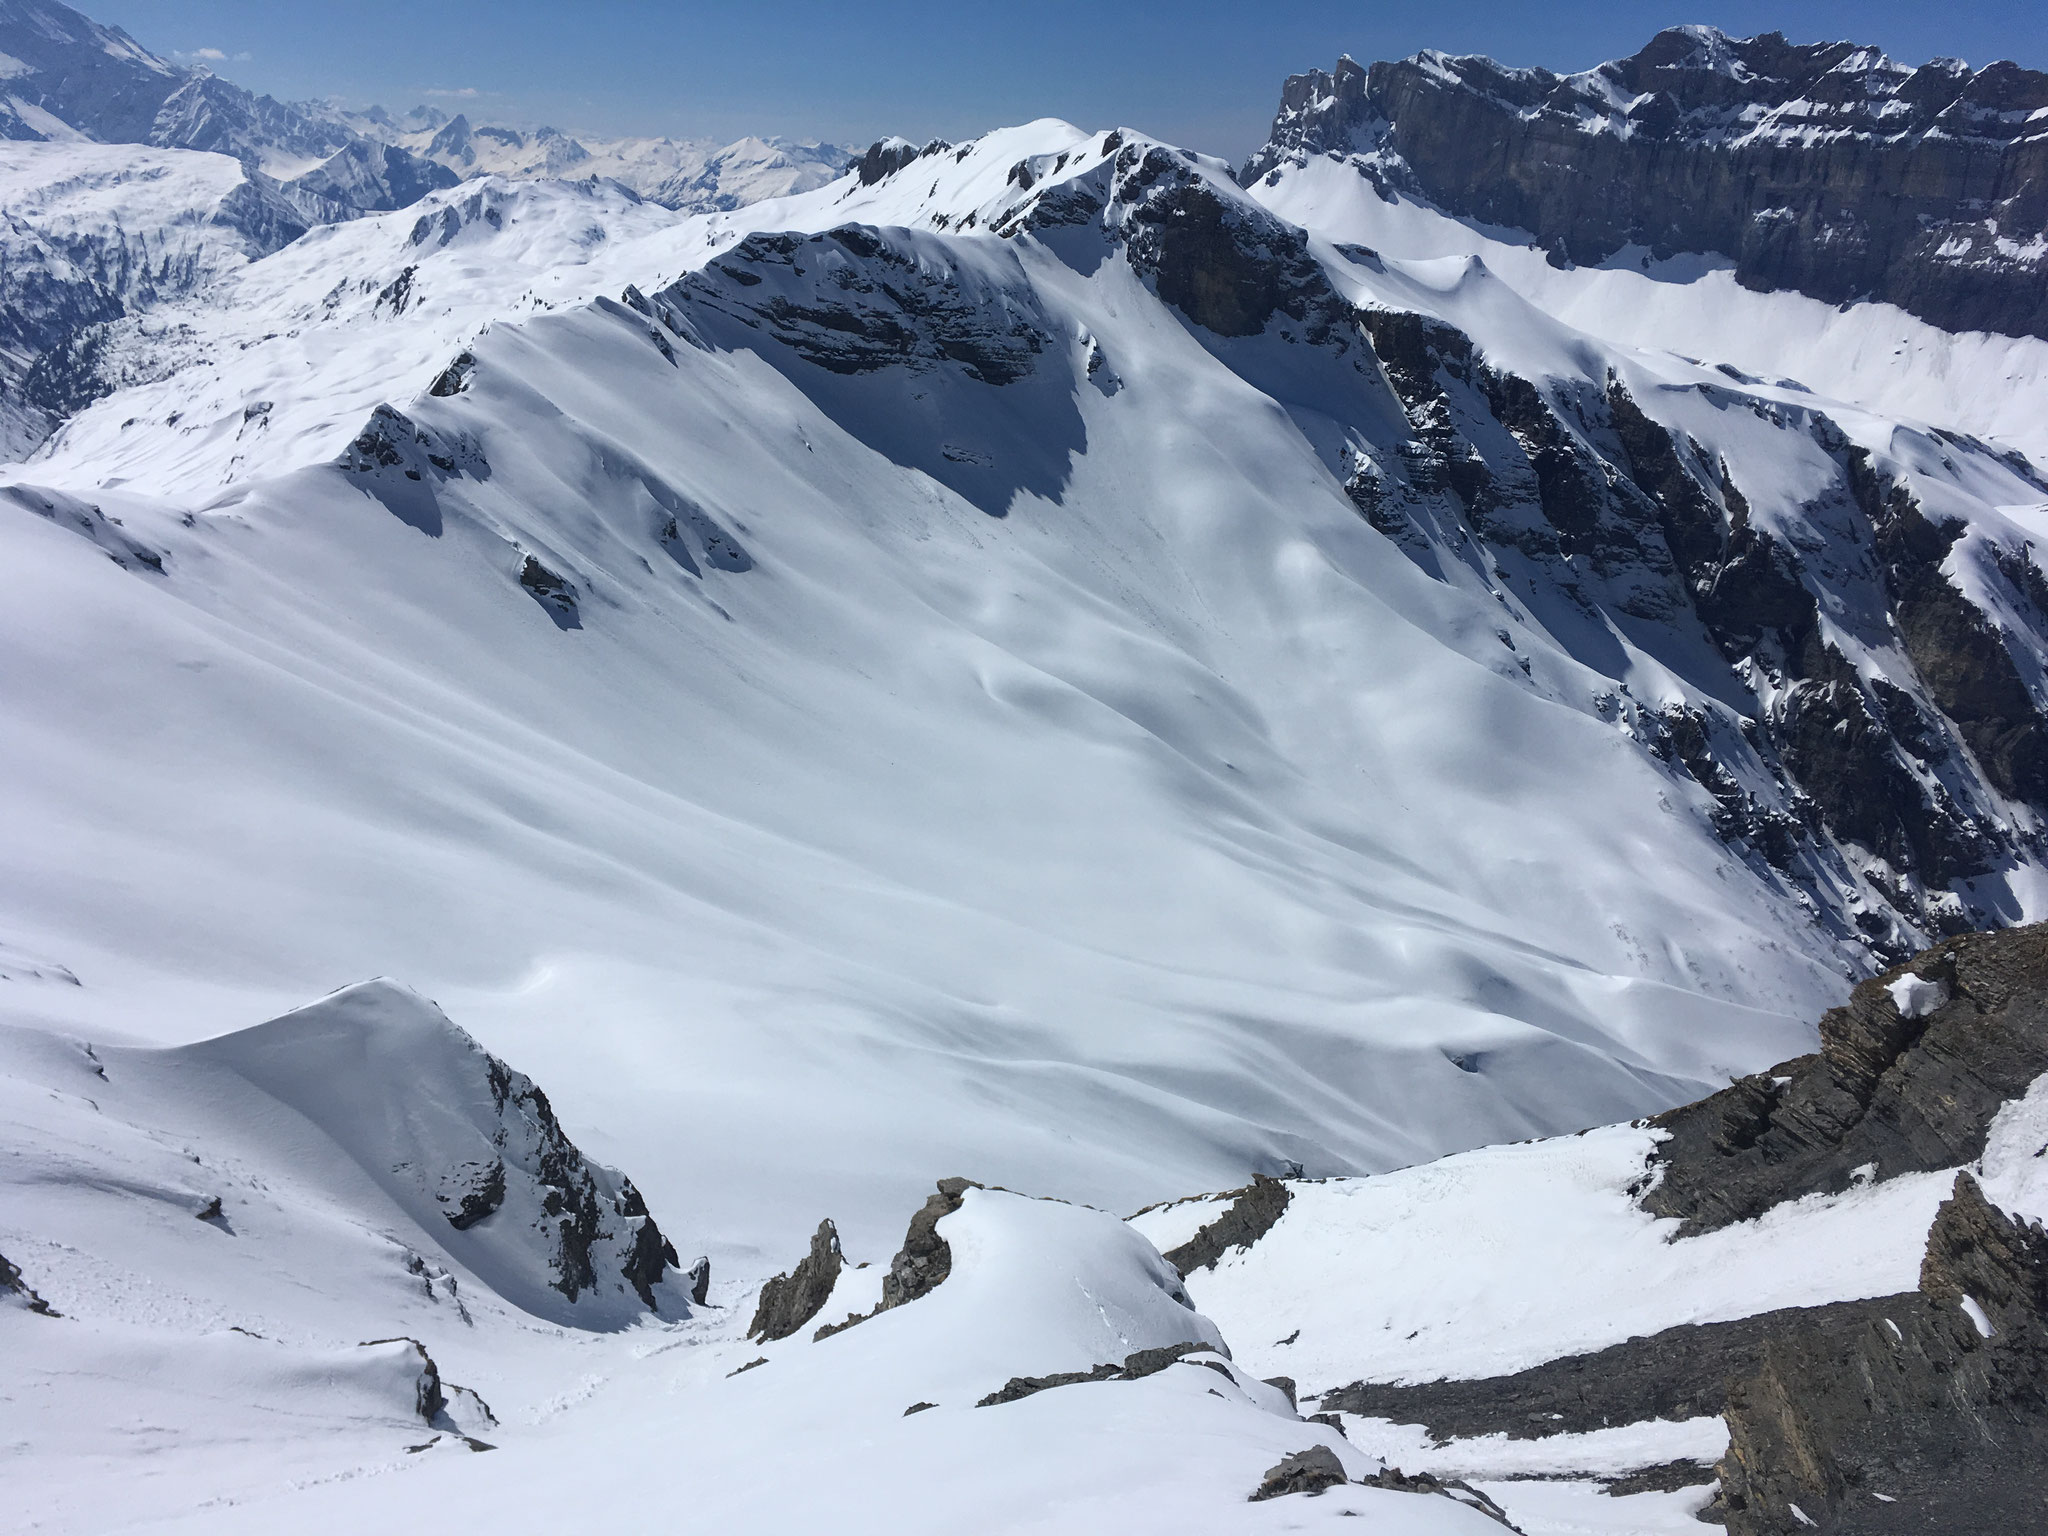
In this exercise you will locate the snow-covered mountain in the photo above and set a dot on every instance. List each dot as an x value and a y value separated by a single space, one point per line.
1038 663
67 78
96 234
692 175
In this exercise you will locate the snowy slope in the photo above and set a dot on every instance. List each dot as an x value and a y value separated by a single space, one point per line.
280 365
1175 785
980 667
201 1372
1178 781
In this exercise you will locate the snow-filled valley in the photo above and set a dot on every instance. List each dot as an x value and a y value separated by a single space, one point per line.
551 734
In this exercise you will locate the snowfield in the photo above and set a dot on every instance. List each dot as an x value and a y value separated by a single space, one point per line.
857 689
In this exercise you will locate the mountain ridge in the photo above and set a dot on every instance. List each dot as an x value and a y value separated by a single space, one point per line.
1825 168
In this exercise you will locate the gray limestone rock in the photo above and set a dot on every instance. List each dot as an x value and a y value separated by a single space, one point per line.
792 1300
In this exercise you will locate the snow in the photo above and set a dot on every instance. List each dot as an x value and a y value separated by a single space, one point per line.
1612 1451
1916 997
1168 827
225 1426
1058 786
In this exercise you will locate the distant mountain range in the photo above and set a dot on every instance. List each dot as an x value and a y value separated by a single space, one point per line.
68 77
1826 168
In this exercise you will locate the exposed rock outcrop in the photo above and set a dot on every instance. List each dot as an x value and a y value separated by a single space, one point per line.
1310 1471
1137 1366
1932 1418
852 301
1897 774
792 1300
14 1289
1887 1093
1248 1218
1677 1373
924 1261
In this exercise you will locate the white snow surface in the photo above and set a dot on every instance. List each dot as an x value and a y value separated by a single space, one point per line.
1915 997
1168 824
1055 783
1494 1260
208 1374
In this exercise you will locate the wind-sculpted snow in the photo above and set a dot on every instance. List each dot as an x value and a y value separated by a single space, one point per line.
234 1292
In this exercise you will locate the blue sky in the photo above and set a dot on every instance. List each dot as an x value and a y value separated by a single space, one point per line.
1203 74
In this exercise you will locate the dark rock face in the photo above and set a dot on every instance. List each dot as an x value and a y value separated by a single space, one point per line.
700 1281
924 1261
850 302
1907 778
1822 168
585 1217
1224 267
1145 1362
1931 1418
16 1289
484 1194
1678 1373
1310 1471
555 593
885 157
1249 1217
789 1301
1898 1094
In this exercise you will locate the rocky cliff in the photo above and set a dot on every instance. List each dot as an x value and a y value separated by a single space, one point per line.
1824 168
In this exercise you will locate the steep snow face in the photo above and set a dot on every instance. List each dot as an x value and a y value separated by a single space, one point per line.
453 1135
364 1139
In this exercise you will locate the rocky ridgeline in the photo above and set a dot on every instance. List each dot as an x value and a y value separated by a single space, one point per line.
1922 1411
1823 168
1892 1090
1873 742
1909 778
